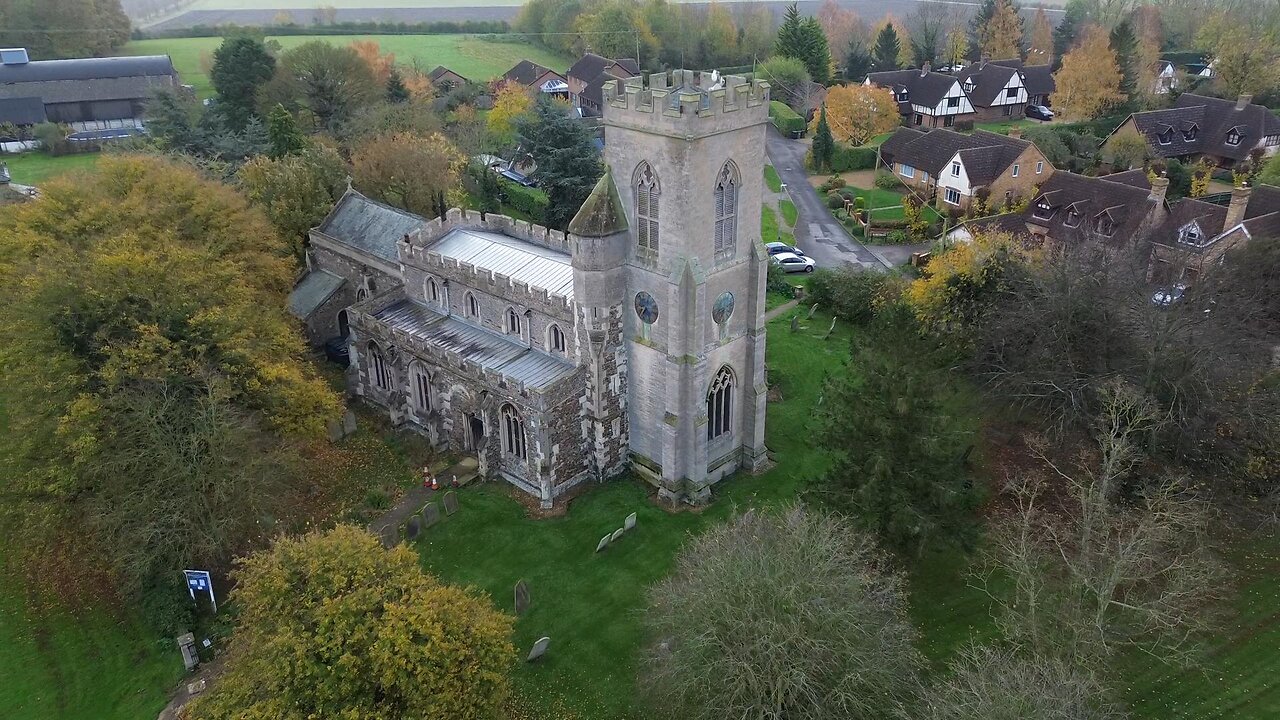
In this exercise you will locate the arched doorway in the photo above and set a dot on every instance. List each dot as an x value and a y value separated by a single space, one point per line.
475 432
344 327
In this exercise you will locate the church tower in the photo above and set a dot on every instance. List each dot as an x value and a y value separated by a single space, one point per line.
687 159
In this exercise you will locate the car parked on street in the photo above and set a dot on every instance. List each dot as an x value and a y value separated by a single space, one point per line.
1166 296
792 263
1039 112
780 247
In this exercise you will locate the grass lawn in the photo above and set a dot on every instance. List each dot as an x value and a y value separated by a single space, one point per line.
878 140
769 230
472 56
789 212
771 178
34 168
1004 127
588 604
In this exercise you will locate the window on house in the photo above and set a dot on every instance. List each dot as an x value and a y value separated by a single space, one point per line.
908 171
378 369
421 389
1191 234
1007 111
373 287
726 203
1011 92
1073 218
1043 210
902 97
361 294
1016 169
919 119
1190 133
1039 167
955 169
953 196
1234 137
555 339
473 306
513 440
513 321
1165 137
953 102
949 121
1273 140
433 291
647 191
720 404
1105 225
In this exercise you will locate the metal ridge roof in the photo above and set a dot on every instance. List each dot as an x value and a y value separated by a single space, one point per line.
522 261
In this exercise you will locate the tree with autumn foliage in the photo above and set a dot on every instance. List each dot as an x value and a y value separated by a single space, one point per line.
370 52
1088 84
1246 56
156 392
1041 50
1000 36
414 172
857 113
330 624
297 190
511 103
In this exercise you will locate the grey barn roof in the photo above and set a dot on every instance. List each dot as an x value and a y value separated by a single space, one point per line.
536 369
310 294
22 110
522 261
368 225
87 69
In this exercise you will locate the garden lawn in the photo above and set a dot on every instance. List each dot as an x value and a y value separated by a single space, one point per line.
769 230
1005 126
789 213
472 56
34 168
887 204
771 178
588 603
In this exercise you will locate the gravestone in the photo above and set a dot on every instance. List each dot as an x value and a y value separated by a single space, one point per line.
187 644
539 649
604 542
197 687
430 515
616 534
390 535
522 597
749 516
812 310
450 502
412 528
830 329
795 323
630 522
349 422
334 429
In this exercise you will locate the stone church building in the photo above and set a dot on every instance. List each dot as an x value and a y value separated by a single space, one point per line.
636 339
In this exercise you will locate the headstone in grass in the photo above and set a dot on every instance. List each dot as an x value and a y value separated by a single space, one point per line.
412 527
795 323
616 534
604 542
830 329
349 422
539 649
390 535
450 502
334 428
430 515
630 522
812 310
522 597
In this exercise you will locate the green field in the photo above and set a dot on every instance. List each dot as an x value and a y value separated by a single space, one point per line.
34 168
475 57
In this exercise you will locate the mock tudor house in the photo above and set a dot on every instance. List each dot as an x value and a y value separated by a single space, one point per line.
925 98
1036 79
1197 234
996 90
529 74
950 169
1224 132
591 73
635 339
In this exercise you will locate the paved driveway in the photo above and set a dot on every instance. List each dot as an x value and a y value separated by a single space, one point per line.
818 233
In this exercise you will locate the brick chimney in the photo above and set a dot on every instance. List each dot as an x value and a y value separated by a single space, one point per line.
925 68
1243 101
982 61
1159 189
1239 203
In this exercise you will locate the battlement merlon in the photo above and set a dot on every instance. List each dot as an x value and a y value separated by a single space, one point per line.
437 228
680 101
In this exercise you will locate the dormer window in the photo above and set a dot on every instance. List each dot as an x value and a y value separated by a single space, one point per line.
1105 225
968 86
1073 218
1165 136
1273 140
902 96
1191 234
1234 136
1043 210
1190 133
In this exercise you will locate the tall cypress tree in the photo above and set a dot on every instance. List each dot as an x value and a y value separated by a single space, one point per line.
885 55
804 40
283 136
396 91
824 146
1125 45
241 65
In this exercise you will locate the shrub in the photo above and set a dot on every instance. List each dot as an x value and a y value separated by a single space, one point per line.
853 295
885 181
898 237
964 126
848 193
530 201
53 137
846 158
776 281
835 182
784 118
835 200
860 203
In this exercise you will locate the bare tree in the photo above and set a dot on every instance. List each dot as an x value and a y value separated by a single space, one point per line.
788 614
927 26
989 682
1109 570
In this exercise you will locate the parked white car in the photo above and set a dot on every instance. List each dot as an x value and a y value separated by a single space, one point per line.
792 263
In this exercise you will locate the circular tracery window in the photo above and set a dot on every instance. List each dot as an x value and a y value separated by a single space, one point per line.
723 309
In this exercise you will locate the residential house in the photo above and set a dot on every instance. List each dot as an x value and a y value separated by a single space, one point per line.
99 98
587 78
951 169
1166 78
444 79
1224 132
529 74
1198 234
1036 79
925 98
996 89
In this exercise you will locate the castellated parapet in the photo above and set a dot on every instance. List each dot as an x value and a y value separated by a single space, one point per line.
688 103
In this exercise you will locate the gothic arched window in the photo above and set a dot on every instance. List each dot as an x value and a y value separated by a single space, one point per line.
361 294
513 442
433 291
513 321
647 192
421 388
378 367
726 206
555 339
720 404
473 306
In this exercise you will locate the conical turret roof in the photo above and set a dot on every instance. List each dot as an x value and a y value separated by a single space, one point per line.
602 213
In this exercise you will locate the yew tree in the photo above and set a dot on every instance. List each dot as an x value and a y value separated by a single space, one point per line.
330 624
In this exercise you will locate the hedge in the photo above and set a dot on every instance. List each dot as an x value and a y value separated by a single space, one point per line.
442 27
784 118
847 158
530 201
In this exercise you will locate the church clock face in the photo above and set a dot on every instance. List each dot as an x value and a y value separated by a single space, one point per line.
723 309
646 308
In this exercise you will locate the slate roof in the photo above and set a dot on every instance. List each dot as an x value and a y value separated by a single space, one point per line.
527 72
602 213
985 154
1213 119
440 71
368 225
1261 217
490 350
522 261
988 80
314 289
590 66
927 88
1127 206
1037 78
1135 178
22 110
